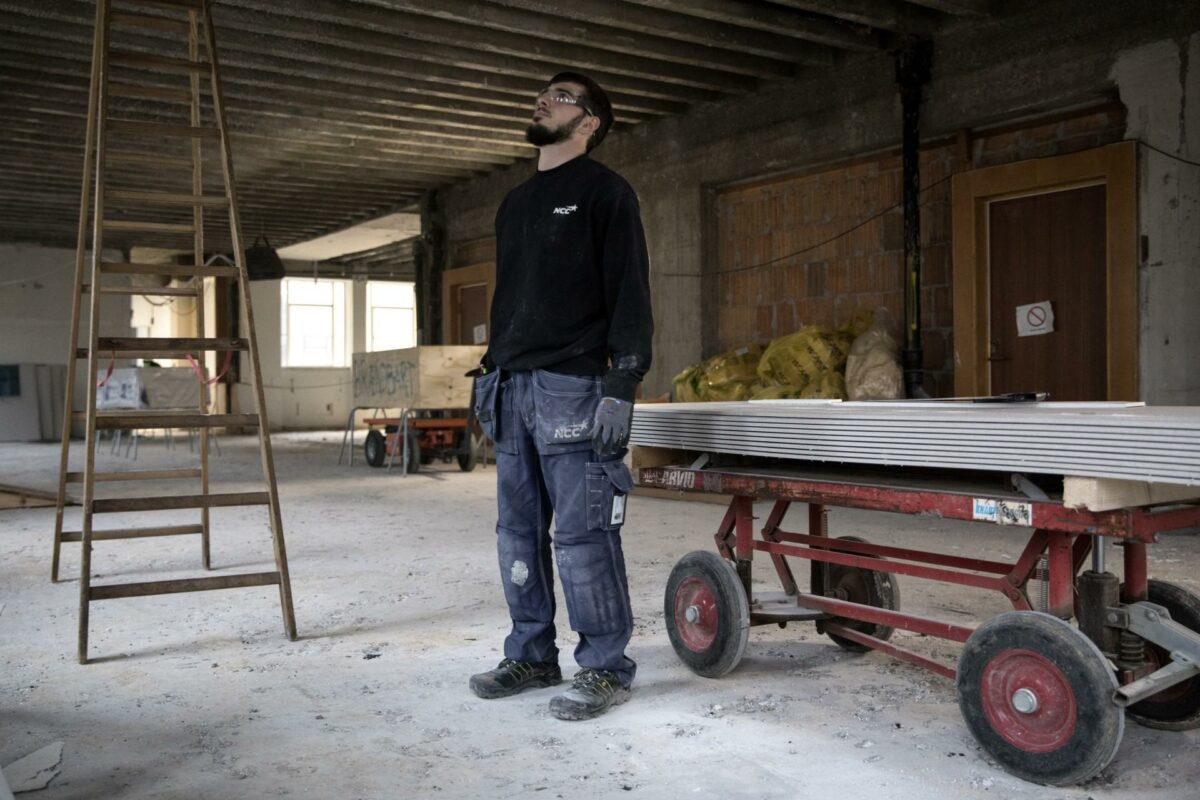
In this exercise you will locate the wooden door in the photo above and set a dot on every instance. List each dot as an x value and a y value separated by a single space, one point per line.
1049 247
472 312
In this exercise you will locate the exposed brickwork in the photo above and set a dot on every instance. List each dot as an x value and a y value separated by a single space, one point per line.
828 282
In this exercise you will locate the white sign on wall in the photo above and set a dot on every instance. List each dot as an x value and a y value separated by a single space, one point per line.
1035 319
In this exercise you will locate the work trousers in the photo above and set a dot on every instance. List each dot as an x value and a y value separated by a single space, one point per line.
546 468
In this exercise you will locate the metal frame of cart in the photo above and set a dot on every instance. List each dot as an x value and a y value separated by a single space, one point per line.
1045 698
400 433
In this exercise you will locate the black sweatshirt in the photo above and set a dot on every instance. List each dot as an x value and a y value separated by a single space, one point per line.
573 278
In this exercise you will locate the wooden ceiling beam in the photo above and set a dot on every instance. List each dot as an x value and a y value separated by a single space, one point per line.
888 15
959 8
267 121
680 21
515 32
740 15
381 31
357 51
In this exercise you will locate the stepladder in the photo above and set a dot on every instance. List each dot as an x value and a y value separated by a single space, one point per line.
155 128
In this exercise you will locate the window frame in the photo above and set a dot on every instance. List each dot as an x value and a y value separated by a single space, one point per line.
339 326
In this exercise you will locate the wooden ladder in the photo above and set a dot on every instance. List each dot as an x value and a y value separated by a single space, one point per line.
192 21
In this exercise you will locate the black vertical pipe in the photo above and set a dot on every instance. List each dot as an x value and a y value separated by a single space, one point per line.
912 73
429 253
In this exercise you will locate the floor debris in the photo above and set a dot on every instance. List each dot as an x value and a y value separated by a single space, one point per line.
34 771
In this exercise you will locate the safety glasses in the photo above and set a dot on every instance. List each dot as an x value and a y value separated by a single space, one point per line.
564 97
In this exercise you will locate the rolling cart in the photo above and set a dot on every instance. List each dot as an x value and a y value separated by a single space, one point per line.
419 437
1046 698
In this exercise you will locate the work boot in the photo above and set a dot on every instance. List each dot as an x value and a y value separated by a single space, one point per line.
511 677
592 692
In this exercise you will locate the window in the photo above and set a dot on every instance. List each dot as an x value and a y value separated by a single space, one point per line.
313 323
391 315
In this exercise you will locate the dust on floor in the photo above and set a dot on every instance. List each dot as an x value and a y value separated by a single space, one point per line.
398 601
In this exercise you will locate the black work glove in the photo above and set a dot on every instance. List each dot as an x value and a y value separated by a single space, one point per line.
610 430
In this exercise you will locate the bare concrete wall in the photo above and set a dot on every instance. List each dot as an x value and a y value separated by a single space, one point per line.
1035 58
1160 85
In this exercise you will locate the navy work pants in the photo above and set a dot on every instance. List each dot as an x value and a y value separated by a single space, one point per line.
541 423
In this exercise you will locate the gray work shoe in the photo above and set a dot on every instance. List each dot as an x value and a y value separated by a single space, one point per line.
591 694
511 677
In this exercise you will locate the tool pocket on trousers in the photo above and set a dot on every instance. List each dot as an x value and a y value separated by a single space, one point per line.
486 387
492 397
608 487
564 409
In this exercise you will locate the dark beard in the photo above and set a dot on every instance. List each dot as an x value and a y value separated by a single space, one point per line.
539 136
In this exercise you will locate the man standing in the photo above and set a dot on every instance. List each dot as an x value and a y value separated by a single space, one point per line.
570 341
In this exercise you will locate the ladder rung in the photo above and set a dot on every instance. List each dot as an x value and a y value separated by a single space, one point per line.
156 129
130 420
136 475
147 160
148 227
168 270
166 198
127 59
133 533
116 590
186 5
167 345
132 19
179 501
151 291
149 92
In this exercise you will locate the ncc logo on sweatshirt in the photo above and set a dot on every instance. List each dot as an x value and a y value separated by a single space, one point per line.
565 210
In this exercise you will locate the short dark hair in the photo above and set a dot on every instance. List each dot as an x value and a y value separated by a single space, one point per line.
595 100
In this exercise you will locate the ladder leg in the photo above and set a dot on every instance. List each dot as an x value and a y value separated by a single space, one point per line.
239 250
100 63
77 297
198 256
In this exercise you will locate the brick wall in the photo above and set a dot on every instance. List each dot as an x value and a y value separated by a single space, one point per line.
810 273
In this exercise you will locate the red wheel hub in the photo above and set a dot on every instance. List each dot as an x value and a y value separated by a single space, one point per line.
1028 700
696 614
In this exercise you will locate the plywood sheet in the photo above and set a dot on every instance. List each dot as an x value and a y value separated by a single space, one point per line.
432 376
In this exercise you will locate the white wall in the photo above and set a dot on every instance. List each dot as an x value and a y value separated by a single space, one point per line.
1160 87
36 284
298 397
36 287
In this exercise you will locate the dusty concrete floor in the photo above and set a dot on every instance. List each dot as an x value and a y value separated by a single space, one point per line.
398 602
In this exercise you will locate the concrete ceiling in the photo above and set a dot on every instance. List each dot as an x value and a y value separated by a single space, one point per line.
342 111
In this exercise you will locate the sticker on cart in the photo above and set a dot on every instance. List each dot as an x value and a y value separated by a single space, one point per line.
1013 513
1002 512
984 510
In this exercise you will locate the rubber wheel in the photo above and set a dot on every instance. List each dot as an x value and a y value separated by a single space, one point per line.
707 614
869 587
1070 727
414 452
1176 708
465 451
375 448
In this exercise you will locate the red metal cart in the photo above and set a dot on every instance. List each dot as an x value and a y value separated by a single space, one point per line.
1046 698
419 439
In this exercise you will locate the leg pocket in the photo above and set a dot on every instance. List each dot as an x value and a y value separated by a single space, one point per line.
564 410
608 487
486 387
493 410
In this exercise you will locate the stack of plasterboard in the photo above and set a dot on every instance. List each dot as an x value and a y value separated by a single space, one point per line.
1126 441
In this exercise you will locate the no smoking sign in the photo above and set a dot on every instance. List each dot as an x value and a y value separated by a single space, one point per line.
1035 319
